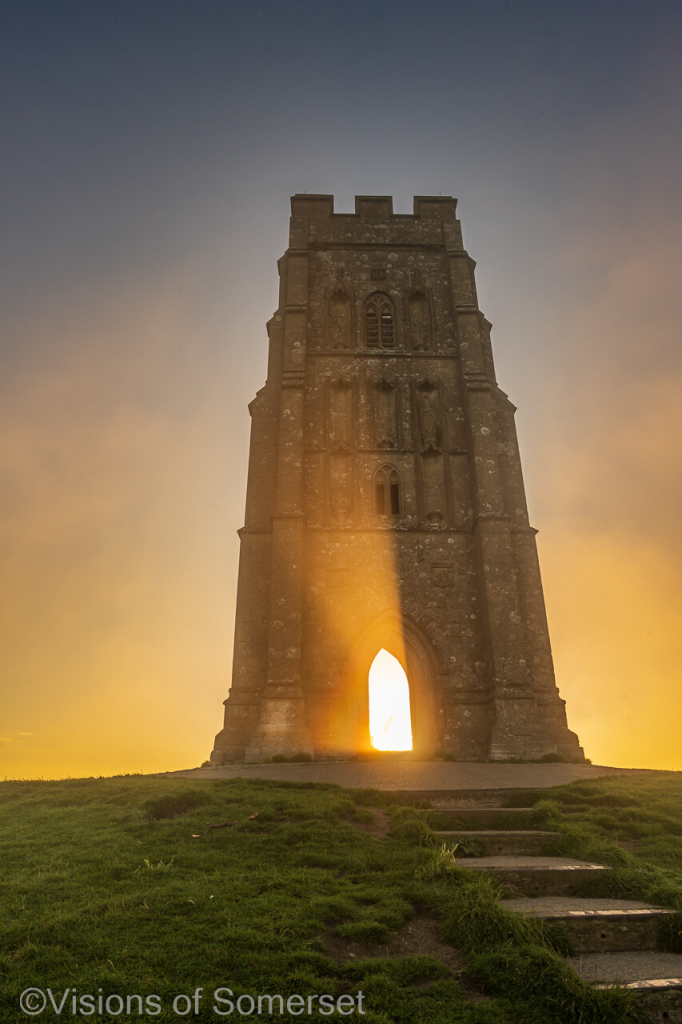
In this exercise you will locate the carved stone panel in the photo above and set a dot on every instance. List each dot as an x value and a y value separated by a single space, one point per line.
340 414
341 485
434 502
339 320
430 429
314 471
442 574
384 415
420 321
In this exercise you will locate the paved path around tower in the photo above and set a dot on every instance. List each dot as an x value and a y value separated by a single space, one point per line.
421 776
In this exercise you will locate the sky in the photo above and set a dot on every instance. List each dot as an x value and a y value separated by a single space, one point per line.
149 150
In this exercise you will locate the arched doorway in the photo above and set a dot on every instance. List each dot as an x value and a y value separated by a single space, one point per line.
390 721
407 644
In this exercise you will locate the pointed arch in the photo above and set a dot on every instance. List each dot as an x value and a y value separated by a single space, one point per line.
388 492
379 321
409 644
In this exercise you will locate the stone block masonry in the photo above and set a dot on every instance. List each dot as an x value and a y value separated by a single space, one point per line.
385 507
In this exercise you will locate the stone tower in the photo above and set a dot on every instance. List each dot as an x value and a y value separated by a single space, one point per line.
385 506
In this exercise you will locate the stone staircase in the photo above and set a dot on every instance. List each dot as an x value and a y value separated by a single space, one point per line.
616 941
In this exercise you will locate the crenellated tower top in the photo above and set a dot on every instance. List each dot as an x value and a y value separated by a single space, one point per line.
433 222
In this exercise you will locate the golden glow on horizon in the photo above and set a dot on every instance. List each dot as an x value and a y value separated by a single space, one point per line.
117 588
390 727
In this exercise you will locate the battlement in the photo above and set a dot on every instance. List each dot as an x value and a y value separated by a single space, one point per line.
373 207
313 220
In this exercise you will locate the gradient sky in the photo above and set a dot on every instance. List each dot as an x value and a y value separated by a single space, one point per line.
149 149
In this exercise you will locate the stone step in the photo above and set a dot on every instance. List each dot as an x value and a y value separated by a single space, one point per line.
536 876
493 843
659 998
651 983
478 818
627 967
453 799
598 925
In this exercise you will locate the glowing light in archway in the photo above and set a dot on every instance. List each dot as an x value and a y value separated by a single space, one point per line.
390 727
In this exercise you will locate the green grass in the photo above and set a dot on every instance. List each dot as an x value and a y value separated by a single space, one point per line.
104 887
632 824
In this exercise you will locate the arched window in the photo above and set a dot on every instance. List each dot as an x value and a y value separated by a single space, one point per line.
379 321
387 496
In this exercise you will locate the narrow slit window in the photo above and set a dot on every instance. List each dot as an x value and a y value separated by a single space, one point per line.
381 498
395 499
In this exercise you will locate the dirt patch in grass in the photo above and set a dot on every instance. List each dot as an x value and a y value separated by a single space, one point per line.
378 826
417 938
631 845
420 937
172 805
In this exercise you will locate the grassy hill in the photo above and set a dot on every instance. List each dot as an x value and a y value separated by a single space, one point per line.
114 887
